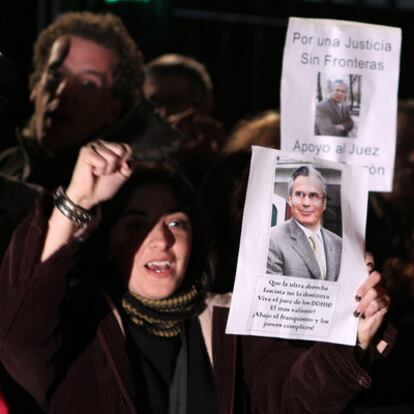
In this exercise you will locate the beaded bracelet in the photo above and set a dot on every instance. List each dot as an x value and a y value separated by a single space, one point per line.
69 209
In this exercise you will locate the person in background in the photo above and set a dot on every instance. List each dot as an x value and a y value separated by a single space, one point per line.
140 332
263 129
181 91
175 83
86 84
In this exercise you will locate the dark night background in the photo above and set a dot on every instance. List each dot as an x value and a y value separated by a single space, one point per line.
240 41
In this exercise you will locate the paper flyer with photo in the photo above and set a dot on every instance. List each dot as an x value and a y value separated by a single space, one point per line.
339 93
301 255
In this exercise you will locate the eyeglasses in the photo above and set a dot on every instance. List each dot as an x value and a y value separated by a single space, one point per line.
313 197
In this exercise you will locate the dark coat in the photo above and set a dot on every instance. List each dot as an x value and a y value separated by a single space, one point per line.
150 137
74 359
17 199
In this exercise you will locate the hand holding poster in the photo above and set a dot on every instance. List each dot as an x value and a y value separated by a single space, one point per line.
301 249
342 78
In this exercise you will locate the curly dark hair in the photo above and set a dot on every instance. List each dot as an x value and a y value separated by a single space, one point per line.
108 31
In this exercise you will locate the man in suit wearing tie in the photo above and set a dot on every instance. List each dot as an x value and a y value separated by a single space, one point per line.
301 246
332 116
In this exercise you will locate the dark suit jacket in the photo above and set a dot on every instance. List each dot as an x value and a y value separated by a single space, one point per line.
290 252
329 114
80 365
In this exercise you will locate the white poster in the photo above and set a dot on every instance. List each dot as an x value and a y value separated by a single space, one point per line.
301 255
339 94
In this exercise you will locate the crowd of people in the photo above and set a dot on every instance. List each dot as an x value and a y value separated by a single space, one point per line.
121 208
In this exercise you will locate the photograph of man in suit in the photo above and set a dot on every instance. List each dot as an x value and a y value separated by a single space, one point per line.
300 246
332 115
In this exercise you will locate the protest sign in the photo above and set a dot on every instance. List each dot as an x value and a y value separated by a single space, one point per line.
286 286
339 94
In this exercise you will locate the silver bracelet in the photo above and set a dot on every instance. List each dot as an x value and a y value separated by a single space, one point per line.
69 209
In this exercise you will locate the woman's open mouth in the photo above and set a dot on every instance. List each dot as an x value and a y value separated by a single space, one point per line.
159 266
